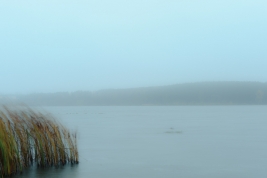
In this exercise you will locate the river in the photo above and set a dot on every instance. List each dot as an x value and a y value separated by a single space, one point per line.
164 141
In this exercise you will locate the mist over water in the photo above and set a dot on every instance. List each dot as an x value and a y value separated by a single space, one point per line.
68 46
160 67
201 93
170 141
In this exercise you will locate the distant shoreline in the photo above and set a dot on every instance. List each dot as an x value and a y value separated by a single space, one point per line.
188 94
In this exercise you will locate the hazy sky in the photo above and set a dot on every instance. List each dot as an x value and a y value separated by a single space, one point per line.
63 45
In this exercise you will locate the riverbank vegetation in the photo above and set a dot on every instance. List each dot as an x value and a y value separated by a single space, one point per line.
29 137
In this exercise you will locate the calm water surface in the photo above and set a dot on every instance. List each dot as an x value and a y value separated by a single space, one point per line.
171 142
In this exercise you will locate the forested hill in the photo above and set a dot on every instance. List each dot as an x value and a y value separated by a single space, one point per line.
203 93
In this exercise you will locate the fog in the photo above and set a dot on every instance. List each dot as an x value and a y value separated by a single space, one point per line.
203 93
68 46
154 88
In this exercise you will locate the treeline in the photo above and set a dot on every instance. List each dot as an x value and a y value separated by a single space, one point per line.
203 93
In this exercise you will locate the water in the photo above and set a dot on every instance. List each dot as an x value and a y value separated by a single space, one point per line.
170 141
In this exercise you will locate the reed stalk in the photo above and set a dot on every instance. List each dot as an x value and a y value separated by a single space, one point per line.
28 137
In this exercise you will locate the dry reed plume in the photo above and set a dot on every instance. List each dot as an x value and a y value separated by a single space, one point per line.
28 137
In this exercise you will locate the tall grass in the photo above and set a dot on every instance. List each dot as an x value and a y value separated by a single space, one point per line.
28 137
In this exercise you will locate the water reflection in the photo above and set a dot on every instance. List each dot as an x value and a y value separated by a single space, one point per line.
51 172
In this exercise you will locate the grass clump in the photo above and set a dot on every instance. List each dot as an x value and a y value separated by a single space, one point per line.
28 137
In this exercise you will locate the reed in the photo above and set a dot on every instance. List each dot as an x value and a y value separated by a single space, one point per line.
28 137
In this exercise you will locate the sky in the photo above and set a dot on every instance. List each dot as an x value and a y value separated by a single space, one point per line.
63 45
